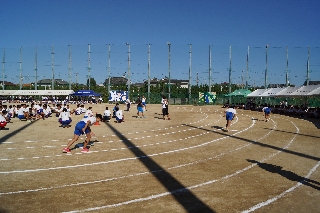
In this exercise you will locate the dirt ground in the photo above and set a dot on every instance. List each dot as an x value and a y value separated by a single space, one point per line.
186 164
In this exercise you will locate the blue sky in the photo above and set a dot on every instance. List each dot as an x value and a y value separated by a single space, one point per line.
237 23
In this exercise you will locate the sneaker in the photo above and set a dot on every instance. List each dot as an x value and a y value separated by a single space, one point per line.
85 150
66 150
138 117
164 119
169 119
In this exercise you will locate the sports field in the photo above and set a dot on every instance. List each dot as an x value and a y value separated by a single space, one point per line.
186 164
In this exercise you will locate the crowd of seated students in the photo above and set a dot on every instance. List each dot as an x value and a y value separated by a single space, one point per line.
49 100
299 111
282 108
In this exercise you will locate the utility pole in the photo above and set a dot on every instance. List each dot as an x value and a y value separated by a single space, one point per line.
210 68
36 70
190 68
89 68
287 74
169 69
3 65
109 53
230 70
266 71
20 68
70 66
52 68
149 71
247 70
128 69
308 66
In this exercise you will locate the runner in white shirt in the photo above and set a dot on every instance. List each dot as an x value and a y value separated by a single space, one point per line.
230 113
83 127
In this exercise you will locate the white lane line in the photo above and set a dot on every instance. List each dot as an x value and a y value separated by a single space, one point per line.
124 159
198 185
271 200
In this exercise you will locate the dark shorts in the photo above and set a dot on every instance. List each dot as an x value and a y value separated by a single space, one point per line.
165 111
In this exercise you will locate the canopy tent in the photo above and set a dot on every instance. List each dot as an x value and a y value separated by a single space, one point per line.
256 93
315 92
85 93
305 90
287 91
270 92
7 92
239 92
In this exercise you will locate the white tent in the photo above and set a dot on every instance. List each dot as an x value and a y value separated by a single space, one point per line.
287 91
305 90
315 92
256 93
7 92
270 92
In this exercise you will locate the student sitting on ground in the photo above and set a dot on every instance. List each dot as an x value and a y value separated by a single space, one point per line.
119 116
23 113
106 114
115 109
88 113
3 122
65 118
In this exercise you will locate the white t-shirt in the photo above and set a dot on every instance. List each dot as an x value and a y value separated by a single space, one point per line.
91 119
64 116
21 111
107 112
231 110
88 113
2 119
119 114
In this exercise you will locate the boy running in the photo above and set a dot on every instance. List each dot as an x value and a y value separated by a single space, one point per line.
266 111
230 114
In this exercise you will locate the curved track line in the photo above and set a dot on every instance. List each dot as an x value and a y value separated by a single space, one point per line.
137 174
187 188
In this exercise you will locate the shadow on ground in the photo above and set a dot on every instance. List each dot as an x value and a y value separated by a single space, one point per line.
184 196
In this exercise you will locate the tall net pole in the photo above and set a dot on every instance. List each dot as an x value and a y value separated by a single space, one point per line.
230 70
20 75
287 66
190 68
70 66
109 53
210 68
308 67
266 71
3 67
128 69
36 70
247 68
89 67
169 68
149 71
52 68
